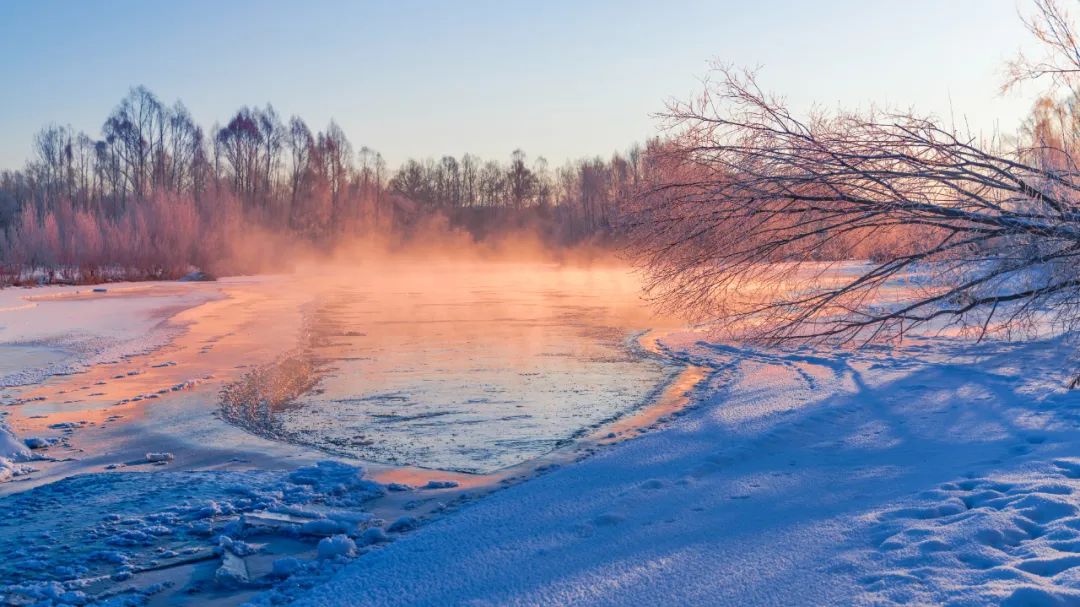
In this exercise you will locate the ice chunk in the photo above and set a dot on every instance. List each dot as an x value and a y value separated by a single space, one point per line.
433 484
10 470
374 535
36 442
404 523
337 479
286 567
11 447
233 570
237 547
338 545
324 527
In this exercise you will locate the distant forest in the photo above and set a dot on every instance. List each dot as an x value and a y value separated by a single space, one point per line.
156 196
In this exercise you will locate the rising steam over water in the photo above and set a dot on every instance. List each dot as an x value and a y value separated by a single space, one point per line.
469 367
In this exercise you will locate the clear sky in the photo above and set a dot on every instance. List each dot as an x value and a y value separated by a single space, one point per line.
558 78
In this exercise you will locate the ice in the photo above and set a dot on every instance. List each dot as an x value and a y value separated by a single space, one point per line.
488 367
12 453
10 446
35 442
374 535
404 523
115 557
285 567
166 521
10 470
336 546
435 484
337 479
61 330
941 472
937 471
233 571
325 527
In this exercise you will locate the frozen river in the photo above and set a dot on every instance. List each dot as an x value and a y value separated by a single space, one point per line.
165 414
470 368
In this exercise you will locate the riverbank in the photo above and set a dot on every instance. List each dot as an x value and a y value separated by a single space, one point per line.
940 472
130 403
935 472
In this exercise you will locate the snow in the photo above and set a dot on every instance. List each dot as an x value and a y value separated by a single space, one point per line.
344 482
36 442
10 446
64 330
938 473
374 535
118 529
405 523
10 470
437 484
338 545
285 567
324 527
12 452
232 572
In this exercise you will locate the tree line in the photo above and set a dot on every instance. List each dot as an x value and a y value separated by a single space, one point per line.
156 194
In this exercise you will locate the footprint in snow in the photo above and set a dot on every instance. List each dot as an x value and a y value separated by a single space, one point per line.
608 519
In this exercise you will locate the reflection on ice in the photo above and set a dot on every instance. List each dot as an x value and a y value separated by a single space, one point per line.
469 368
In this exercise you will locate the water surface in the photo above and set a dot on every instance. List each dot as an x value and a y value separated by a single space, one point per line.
469 367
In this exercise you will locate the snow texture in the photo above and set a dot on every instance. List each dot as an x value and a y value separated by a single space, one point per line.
940 473
118 526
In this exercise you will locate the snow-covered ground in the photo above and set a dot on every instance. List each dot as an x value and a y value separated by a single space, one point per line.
83 326
936 472
112 416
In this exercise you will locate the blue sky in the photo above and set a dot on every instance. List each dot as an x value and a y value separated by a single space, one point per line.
557 78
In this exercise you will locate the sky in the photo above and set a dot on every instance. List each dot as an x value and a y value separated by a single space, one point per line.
560 79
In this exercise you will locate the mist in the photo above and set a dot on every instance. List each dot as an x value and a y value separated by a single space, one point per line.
158 196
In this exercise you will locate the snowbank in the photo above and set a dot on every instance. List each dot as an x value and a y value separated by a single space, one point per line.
12 452
10 446
943 473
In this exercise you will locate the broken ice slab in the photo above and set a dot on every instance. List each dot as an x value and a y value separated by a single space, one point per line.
233 570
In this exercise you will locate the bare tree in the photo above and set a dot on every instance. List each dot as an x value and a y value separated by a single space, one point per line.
379 165
749 207
52 165
335 164
272 135
99 208
520 180
1051 25
135 131
183 147
300 143
469 178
